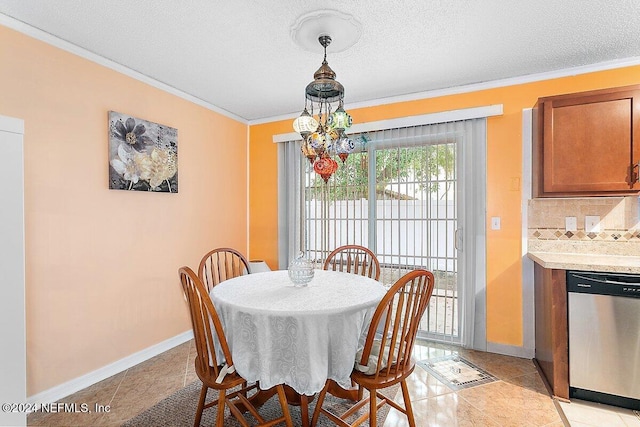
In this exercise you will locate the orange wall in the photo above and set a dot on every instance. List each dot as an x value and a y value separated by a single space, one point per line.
504 160
101 265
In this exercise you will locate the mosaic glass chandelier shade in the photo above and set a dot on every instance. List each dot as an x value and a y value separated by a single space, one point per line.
323 129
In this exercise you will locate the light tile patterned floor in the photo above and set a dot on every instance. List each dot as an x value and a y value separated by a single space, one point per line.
582 414
518 398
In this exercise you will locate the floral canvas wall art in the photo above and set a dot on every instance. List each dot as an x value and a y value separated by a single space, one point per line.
143 156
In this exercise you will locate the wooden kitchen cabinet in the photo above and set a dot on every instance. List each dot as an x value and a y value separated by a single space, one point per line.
587 144
552 331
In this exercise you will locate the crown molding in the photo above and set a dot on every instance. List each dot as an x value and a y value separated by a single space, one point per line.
43 36
493 84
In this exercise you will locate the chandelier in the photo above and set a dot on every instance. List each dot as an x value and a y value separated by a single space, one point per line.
323 129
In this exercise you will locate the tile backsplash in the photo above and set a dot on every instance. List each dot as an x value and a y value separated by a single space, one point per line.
619 222
616 213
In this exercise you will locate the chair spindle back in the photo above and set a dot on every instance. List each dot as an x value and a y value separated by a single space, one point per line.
354 259
221 264
396 320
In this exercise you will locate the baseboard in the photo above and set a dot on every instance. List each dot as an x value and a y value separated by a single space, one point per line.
511 350
65 389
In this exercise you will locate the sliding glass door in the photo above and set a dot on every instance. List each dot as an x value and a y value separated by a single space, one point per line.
399 194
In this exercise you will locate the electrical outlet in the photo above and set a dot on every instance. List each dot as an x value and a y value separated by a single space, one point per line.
592 223
571 223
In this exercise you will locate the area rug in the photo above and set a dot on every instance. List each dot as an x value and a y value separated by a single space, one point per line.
455 372
179 410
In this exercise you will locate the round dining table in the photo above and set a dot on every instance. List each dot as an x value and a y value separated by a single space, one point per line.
298 336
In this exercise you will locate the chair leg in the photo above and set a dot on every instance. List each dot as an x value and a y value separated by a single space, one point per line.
316 412
285 406
203 396
407 404
373 408
221 404
304 410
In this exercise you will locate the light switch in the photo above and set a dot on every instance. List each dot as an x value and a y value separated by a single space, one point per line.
570 223
592 223
495 223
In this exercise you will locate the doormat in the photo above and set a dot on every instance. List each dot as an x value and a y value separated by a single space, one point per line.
456 372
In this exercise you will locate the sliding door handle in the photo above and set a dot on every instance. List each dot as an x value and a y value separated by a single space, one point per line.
457 238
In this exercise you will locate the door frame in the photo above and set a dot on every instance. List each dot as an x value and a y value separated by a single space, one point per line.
13 370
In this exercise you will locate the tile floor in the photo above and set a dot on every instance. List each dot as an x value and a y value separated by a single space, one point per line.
518 398
581 413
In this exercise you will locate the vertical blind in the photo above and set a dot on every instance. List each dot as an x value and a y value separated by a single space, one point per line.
400 194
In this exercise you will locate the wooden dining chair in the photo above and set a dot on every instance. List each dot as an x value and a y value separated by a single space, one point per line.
386 358
216 373
221 264
354 259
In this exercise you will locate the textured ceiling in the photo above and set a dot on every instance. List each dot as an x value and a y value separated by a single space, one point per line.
239 55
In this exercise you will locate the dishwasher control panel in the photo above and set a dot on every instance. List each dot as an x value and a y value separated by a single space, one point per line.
617 284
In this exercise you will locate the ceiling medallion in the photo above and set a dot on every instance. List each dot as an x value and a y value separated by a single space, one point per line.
345 30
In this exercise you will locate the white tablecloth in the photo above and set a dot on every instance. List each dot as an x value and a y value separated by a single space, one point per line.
280 334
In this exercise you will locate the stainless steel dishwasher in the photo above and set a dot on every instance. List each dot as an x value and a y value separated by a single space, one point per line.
604 337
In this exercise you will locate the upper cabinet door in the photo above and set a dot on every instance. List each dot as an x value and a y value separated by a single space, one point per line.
584 144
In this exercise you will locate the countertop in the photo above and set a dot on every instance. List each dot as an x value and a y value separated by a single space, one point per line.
587 262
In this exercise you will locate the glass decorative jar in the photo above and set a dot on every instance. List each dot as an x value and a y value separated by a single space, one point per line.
300 271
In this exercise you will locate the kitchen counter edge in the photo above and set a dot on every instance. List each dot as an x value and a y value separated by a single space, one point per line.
587 262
